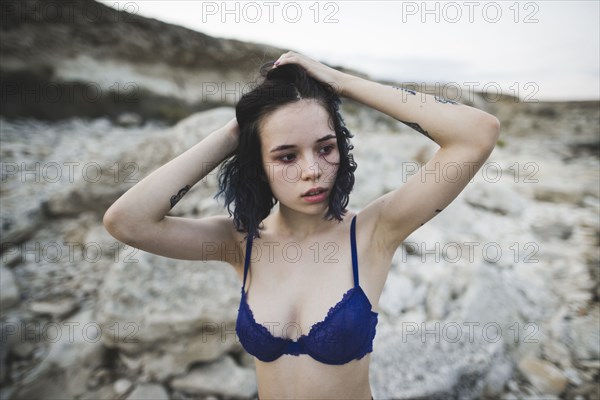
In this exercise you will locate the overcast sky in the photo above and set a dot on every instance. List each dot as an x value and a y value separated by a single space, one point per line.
542 50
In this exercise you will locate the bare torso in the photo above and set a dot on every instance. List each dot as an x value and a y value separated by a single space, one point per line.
292 285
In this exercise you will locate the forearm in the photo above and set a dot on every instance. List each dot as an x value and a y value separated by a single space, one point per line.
446 122
151 199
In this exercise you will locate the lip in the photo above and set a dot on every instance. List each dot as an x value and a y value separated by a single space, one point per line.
322 189
316 198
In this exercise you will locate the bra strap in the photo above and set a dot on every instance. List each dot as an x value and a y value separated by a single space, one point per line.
247 262
354 257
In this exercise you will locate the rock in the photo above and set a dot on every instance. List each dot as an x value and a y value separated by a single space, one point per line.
425 242
176 356
122 386
582 336
24 349
131 362
432 361
578 333
552 229
60 307
175 297
9 291
71 361
500 301
104 183
554 195
147 391
557 352
10 331
101 377
592 364
573 376
19 338
400 294
12 256
588 390
102 392
128 119
186 313
19 225
548 379
109 247
76 231
499 374
498 198
439 297
223 378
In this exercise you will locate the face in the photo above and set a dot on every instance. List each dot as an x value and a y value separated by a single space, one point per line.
300 152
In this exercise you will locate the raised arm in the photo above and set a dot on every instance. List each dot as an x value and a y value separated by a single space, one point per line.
138 217
466 137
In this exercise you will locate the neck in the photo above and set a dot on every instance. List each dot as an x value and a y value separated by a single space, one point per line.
299 226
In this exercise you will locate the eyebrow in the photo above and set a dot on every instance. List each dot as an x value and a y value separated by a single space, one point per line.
289 146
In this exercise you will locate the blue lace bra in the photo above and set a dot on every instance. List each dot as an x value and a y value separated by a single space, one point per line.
346 333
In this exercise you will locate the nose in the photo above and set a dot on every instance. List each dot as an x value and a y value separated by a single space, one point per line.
311 169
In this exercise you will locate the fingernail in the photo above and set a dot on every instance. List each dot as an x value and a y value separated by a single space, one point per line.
277 62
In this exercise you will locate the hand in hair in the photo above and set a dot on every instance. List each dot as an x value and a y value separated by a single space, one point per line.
315 69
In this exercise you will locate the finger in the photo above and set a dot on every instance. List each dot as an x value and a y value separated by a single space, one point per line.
286 58
280 61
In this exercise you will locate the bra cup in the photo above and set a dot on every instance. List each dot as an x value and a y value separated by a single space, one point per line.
256 339
340 338
344 335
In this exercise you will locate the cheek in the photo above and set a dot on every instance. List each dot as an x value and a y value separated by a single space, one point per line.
287 174
330 166
280 174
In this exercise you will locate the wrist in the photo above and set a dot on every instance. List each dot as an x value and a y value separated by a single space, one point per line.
232 131
345 84
231 140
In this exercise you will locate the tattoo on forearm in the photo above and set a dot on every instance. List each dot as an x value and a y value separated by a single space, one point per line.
417 128
175 199
406 90
443 100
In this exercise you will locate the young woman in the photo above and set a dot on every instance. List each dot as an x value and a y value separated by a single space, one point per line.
311 271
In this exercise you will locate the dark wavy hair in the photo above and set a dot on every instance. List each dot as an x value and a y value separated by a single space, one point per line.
242 179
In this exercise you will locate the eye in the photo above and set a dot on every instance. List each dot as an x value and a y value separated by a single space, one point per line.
282 158
328 149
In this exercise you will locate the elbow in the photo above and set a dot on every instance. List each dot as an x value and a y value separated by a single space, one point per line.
114 224
490 132
119 224
108 221
495 126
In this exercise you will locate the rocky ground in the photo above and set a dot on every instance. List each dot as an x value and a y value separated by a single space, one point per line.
496 297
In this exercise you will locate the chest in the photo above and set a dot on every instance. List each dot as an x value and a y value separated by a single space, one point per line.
292 286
